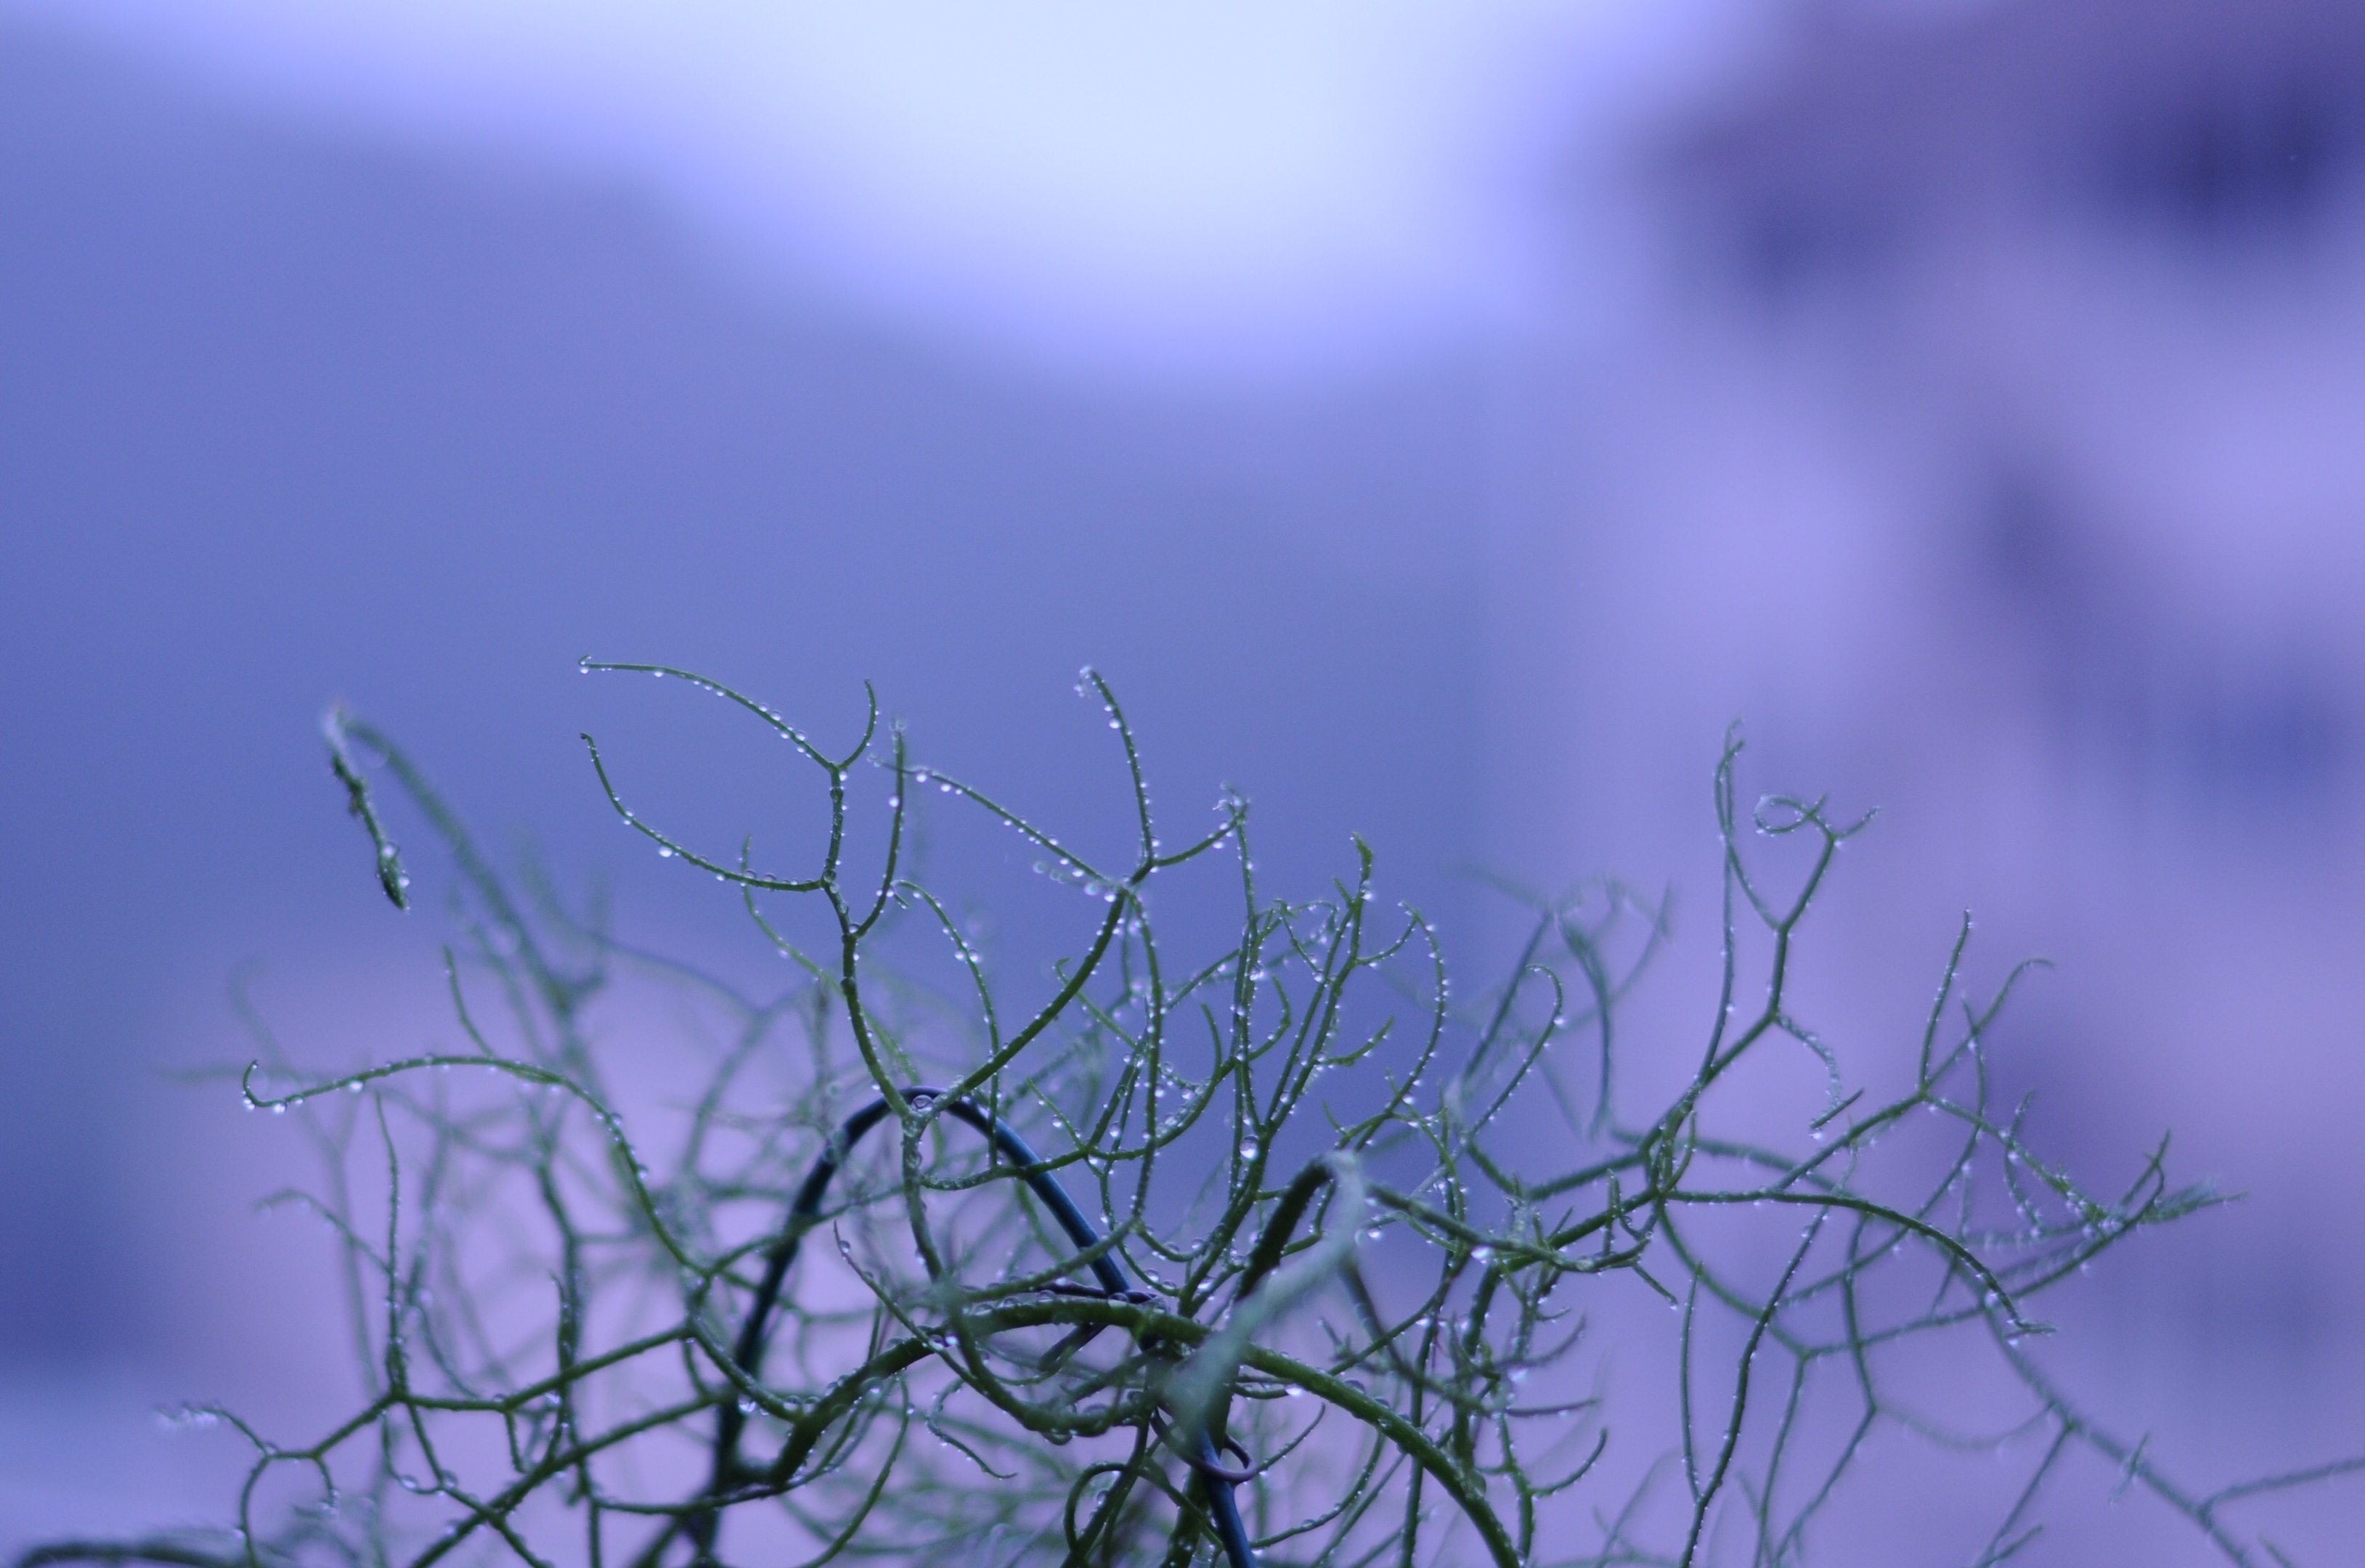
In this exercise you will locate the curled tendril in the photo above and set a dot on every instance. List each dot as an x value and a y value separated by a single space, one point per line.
1279 1247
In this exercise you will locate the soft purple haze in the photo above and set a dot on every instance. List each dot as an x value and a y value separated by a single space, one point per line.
1439 427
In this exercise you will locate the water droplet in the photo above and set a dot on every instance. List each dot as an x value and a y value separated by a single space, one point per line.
664 853
279 1110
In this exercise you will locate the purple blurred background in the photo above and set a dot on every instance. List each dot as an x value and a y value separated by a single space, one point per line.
1441 423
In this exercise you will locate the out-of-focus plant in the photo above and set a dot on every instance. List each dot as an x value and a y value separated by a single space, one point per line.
1277 1252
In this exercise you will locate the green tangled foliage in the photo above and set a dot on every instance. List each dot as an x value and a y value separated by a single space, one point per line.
1277 1252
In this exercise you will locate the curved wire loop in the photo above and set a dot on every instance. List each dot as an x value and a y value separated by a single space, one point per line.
1217 1485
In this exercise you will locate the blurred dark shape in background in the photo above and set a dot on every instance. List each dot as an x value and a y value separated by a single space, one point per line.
1979 424
1984 432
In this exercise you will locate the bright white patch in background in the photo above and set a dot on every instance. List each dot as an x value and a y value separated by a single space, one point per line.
1222 186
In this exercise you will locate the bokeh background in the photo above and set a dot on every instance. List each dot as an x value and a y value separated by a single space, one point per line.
1439 419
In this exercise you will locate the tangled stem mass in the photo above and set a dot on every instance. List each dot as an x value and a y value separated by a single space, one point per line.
1270 1253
